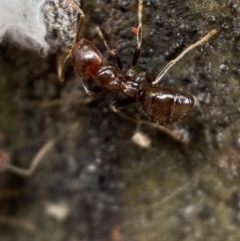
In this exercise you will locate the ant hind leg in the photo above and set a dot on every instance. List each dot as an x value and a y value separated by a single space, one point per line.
116 107
174 61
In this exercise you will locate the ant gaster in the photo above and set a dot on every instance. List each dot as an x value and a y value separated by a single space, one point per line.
161 105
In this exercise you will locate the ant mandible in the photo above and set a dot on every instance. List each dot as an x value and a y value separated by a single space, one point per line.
162 105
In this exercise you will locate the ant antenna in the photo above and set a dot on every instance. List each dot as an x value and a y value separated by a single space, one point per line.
82 18
139 40
174 61
139 32
62 66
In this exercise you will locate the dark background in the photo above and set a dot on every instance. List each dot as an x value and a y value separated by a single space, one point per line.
106 187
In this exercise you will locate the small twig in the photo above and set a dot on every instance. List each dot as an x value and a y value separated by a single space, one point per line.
17 223
35 162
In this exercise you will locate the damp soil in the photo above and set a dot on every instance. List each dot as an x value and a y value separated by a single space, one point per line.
96 184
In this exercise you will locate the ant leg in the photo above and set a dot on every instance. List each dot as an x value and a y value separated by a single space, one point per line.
35 162
144 77
95 93
62 63
82 18
112 52
116 107
86 88
174 61
62 67
92 95
137 51
71 100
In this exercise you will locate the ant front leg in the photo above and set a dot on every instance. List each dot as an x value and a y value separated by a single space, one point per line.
112 52
62 65
116 107
93 94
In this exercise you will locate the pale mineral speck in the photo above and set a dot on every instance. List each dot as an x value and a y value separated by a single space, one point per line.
141 139
58 211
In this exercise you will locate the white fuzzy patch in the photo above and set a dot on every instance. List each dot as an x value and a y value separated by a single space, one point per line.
22 22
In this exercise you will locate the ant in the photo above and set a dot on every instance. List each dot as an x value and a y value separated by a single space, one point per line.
162 105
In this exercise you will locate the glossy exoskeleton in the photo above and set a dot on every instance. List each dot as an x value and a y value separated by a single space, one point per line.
160 104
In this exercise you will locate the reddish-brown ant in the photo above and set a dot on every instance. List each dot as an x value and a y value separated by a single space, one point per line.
161 105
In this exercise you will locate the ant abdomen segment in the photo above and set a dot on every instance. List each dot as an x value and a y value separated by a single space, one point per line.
166 105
